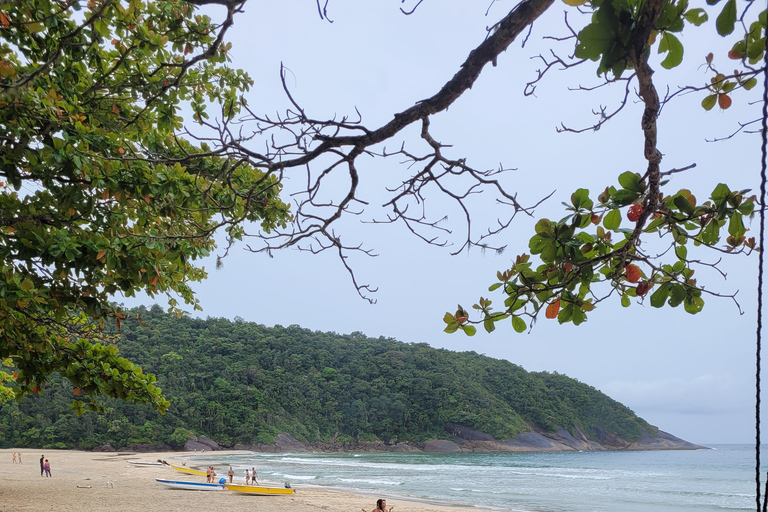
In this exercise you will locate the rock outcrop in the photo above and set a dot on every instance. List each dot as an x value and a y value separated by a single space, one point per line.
467 439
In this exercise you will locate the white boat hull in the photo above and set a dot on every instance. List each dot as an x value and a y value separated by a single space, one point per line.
189 486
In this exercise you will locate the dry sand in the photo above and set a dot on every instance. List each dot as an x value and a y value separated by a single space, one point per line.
79 484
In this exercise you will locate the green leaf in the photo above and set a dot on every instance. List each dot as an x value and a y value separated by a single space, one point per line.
612 220
709 102
749 84
469 330
678 295
451 327
720 193
693 304
683 204
736 226
696 16
580 199
727 19
624 197
681 252
489 324
578 317
625 300
630 181
518 324
594 40
659 297
543 227
671 44
711 233
747 207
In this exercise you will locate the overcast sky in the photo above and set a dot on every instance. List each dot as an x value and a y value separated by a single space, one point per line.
690 375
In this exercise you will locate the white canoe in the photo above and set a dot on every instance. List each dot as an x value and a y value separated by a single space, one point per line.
142 463
189 486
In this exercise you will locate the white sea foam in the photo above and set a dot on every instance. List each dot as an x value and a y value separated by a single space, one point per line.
367 481
704 480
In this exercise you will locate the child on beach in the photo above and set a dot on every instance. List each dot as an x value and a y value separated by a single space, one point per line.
47 467
247 477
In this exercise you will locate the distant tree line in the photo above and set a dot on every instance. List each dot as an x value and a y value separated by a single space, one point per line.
241 382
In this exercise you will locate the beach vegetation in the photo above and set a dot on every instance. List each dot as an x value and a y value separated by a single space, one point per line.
636 241
255 382
102 190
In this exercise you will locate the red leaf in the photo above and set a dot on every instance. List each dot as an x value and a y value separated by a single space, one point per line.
724 101
642 288
634 212
633 273
553 309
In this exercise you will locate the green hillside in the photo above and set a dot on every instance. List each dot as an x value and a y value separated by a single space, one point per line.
241 382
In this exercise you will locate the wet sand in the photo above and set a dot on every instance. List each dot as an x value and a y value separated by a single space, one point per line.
79 483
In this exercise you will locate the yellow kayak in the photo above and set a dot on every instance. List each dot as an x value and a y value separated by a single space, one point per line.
189 471
255 489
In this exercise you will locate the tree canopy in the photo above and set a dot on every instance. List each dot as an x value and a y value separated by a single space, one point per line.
102 192
243 383
108 191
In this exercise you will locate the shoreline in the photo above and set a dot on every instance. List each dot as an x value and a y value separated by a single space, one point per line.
97 481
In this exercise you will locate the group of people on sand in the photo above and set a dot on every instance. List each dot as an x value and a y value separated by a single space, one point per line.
45 466
250 478
15 456
381 506
210 475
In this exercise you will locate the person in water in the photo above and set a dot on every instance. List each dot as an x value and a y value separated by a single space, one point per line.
231 474
381 506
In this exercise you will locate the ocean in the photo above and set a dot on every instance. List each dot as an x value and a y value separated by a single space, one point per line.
717 479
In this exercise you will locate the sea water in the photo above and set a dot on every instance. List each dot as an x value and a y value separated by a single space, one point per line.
717 479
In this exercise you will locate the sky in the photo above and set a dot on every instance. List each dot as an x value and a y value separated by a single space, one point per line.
692 376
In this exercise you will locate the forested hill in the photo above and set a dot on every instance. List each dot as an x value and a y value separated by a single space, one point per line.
243 383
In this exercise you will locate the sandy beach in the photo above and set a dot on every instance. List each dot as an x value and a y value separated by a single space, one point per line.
79 483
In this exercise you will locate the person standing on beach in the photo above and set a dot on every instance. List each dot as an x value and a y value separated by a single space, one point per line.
19 454
253 476
14 457
208 475
42 465
231 474
47 468
247 477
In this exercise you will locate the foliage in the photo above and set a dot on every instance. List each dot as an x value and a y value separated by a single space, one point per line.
102 194
578 253
240 382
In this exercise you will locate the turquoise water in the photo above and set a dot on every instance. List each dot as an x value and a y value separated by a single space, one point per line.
721 479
